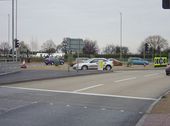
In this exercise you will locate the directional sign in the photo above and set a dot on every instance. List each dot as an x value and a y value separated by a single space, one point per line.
160 61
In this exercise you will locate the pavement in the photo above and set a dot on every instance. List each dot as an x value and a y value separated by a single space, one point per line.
158 114
118 98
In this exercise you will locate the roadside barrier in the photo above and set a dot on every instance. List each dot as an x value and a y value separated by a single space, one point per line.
9 67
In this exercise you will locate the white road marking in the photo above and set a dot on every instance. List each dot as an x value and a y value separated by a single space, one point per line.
103 109
149 75
126 79
83 89
81 93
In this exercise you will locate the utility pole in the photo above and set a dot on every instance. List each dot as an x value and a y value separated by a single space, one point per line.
13 30
9 29
16 25
120 35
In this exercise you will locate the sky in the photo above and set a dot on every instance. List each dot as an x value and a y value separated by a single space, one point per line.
41 20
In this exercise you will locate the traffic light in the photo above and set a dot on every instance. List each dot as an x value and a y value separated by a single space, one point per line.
166 4
146 47
16 43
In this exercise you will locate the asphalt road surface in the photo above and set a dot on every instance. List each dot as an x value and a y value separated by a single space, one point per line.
114 99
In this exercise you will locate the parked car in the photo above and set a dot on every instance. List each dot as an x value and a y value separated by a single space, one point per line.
93 64
53 60
167 70
79 60
116 62
137 61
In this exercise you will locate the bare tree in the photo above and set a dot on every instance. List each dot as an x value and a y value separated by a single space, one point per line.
156 41
5 47
90 47
156 44
59 48
49 47
125 50
24 49
109 49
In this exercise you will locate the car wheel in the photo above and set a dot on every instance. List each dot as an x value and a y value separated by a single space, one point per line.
84 68
167 74
108 67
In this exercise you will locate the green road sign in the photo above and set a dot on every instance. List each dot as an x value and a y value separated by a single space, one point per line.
160 61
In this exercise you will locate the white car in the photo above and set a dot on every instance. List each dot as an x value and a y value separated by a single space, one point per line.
93 64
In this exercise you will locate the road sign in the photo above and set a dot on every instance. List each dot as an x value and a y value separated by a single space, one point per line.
75 45
160 61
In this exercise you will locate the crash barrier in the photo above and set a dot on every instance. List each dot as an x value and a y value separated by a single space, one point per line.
9 67
160 61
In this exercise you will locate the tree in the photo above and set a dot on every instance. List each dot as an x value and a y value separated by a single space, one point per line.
156 42
125 50
49 47
109 49
5 47
90 47
24 49
156 45
59 48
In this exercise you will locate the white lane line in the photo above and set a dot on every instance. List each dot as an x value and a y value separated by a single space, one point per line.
149 75
88 94
126 79
83 89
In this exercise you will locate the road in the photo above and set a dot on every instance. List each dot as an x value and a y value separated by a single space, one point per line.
112 99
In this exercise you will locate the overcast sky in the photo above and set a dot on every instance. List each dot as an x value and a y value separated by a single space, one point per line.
98 20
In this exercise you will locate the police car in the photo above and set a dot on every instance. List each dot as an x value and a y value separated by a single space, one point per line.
93 64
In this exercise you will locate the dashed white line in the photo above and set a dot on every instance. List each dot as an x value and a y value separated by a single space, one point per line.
126 79
149 75
81 93
67 105
87 88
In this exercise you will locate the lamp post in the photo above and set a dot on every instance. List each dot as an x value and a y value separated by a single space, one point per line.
121 35
13 30
8 28
16 25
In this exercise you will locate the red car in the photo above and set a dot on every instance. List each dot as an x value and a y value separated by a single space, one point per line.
167 70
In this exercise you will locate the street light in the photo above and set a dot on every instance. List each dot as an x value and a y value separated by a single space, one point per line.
12 27
121 35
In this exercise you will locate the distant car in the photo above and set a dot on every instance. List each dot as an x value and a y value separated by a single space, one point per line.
93 64
53 60
137 61
115 62
167 70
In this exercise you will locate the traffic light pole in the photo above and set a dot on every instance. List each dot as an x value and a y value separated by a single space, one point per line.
13 30
16 15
